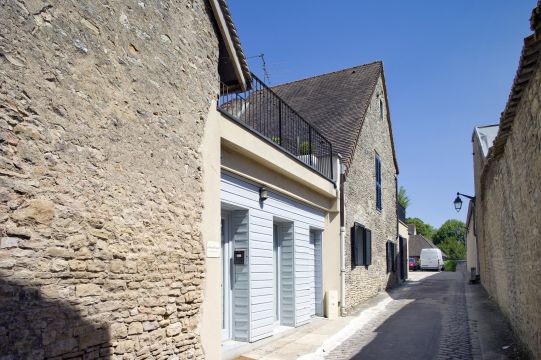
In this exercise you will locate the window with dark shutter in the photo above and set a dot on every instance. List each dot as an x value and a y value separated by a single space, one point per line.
378 182
361 246
368 247
391 255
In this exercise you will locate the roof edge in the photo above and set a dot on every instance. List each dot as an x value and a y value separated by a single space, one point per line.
529 58
328 73
231 40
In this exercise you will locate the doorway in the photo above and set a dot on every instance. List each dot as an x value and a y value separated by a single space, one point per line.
316 240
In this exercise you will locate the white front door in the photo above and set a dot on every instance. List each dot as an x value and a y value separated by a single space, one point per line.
315 238
226 279
276 274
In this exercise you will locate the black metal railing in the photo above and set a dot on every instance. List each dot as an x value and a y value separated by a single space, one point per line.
264 112
401 213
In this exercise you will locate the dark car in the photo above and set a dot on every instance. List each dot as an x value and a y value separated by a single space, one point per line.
412 263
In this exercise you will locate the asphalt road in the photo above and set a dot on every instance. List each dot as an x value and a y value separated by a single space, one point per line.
427 319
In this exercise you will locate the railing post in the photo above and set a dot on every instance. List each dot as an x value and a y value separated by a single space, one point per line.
310 144
280 121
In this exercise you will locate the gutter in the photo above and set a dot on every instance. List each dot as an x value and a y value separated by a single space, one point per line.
342 178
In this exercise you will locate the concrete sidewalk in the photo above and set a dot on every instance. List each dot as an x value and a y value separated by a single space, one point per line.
317 339
388 325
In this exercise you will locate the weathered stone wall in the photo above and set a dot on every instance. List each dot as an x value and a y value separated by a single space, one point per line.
102 109
363 282
509 221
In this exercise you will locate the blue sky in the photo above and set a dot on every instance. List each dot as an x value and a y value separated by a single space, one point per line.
449 66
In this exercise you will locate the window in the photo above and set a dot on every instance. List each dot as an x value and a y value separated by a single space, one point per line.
378 182
391 255
361 245
380 109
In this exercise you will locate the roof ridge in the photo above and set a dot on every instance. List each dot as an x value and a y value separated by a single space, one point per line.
330 73
485 126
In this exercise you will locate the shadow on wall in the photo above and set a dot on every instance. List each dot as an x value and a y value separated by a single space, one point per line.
35 327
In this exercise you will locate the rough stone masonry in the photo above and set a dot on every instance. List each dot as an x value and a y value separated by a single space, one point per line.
102 107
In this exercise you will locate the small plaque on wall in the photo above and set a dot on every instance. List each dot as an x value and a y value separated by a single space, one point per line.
214 249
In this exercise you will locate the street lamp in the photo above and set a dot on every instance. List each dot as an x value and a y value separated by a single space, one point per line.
458 201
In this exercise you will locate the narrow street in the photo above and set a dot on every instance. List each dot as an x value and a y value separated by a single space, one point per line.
435 315
429 318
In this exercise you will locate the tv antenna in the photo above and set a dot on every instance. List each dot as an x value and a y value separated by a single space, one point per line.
266 77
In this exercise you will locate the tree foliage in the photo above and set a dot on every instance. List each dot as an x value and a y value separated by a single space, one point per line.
454 249
450 238
426 230
403 198
450 229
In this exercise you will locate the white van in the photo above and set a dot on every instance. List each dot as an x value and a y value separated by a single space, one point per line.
431 259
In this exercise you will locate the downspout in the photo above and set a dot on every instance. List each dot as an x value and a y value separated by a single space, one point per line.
342 240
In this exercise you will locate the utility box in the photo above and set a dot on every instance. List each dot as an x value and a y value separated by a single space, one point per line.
331 304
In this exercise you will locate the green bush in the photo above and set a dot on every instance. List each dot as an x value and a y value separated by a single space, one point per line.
306 148
449 265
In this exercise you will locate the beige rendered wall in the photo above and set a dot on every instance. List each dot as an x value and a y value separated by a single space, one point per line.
228 146
471 247
509 221
210 232
403 231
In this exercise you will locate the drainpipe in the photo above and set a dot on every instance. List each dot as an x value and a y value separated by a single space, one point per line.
342 241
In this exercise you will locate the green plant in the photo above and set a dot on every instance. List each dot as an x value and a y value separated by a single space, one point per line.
449 265
403 198
307 148
275 139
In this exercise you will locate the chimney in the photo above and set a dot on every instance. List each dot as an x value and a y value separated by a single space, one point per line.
412 230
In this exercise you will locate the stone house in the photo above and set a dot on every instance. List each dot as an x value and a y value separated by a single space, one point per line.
507 196
103 109
350 107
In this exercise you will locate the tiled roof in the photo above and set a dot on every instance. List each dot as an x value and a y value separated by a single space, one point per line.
336 104
531 53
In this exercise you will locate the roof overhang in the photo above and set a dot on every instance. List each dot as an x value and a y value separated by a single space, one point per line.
237 61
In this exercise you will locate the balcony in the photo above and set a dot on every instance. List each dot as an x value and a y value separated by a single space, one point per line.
263 112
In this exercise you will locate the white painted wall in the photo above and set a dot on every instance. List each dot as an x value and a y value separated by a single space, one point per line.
238 192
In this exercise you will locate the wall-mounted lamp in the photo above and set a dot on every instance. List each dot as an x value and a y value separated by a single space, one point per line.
263 194
458 201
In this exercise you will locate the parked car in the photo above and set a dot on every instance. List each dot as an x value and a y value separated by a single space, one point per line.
412 263
431 259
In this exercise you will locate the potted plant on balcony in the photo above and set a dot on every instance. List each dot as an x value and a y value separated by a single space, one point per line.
306 151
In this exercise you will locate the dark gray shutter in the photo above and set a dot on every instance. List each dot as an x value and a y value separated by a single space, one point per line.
368 248
357 245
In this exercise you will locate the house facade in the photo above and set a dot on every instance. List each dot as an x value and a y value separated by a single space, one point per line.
271 224
507 193
350 107
102 117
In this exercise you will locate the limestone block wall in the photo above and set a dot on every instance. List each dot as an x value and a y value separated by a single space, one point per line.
102 109
362 282
509 222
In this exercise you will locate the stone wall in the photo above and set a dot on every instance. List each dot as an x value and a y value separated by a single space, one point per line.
363 282
102 109
509 221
